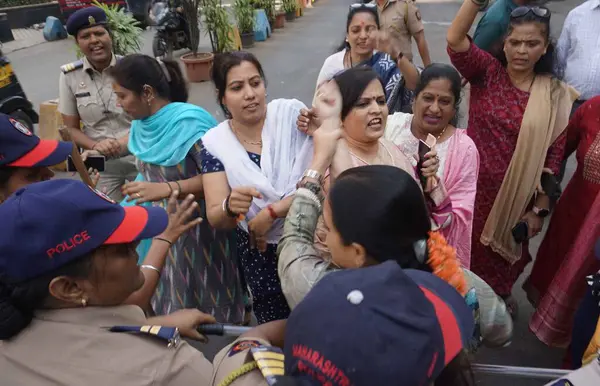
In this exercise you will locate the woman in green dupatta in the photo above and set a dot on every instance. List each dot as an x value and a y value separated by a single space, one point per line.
200 270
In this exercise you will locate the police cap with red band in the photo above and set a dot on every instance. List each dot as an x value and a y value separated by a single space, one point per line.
49 224
380 325
19 147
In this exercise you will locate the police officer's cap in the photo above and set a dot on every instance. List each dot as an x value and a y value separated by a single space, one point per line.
85 18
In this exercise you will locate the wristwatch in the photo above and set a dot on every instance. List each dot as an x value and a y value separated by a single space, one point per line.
540 212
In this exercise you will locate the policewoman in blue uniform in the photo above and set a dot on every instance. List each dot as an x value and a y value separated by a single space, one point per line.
88 104
67 264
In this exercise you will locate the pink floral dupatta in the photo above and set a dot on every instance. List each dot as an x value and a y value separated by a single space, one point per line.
460 179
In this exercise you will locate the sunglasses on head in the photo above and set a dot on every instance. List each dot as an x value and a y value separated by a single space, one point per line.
540 12
363 6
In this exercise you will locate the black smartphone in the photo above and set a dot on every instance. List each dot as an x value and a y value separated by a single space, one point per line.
551 187
520 232
97 162
423 149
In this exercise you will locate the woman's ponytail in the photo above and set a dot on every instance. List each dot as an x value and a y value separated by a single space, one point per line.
17 305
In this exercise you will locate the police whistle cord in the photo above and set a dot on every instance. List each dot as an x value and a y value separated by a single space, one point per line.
222 329
522 372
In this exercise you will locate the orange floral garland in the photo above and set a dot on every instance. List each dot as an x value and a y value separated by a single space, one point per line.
444 263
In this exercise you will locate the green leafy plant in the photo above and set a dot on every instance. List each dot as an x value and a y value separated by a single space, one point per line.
124 29
191 13
218 27
290 6
244 15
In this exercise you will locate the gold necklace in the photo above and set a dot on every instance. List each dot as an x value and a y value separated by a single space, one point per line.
442 133
254 143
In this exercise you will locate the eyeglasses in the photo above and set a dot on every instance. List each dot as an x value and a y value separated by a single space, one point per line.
540 12
363 6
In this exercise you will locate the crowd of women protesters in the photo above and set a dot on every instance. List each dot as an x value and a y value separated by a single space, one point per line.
356 230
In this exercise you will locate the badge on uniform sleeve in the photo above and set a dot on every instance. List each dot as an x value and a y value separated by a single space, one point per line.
243 346
418 15
269 360
21 127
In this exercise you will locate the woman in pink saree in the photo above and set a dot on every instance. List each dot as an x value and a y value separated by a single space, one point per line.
436 103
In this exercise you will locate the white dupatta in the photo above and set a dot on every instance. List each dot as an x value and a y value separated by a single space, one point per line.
286 154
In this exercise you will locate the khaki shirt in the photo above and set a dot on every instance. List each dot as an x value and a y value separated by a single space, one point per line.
232 358
402 19
588 375
88 94
74 347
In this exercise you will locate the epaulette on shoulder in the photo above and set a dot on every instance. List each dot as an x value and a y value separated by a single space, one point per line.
66 68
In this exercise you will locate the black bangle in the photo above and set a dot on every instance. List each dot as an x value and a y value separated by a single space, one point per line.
400 56
165 240
228 210
179 187
170 190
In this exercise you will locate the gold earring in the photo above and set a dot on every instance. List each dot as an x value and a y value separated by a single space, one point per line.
83 302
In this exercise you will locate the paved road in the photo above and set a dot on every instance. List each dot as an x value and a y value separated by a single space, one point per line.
292 59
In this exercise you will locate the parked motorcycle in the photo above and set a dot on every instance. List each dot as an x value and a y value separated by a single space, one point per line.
171 30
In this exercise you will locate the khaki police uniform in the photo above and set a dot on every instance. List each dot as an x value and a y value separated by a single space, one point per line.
235 365
74 347
402 19
88 94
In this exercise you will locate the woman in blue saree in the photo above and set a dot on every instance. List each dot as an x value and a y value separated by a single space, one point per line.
398 74
200 270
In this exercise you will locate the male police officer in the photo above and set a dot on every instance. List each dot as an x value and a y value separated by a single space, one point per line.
88 104
402 19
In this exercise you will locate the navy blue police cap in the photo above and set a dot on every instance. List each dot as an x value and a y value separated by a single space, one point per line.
85 18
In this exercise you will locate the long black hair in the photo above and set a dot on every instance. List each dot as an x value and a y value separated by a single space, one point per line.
352 83
545 64
19 301
223 63
383 209
135 71
351 13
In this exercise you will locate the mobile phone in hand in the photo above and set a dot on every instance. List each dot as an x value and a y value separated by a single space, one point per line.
424 148
97 162
520 232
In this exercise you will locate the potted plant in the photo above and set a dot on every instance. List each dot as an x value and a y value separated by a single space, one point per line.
197 65
279 20
218 28
244 15
290 7
124 29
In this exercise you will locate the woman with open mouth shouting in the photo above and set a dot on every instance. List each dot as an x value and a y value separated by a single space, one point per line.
364 116
251 163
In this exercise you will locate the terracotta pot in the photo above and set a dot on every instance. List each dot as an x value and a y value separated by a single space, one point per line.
198 67
279 20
